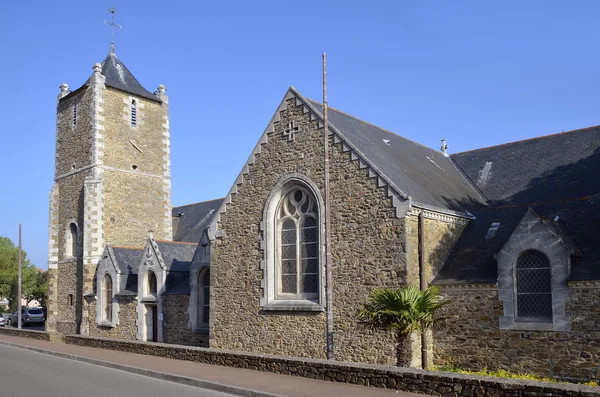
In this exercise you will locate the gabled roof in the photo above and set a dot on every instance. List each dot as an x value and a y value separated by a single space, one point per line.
191 220
177 256
424 174
177 283
557 176
411 171
128 259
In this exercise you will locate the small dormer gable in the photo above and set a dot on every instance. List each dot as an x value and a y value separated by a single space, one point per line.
533 271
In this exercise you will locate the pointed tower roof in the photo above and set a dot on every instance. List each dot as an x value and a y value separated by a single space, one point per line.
118 76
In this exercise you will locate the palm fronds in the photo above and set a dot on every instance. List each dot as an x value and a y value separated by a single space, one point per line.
404 310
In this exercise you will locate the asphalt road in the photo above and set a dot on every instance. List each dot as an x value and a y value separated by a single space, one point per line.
30 374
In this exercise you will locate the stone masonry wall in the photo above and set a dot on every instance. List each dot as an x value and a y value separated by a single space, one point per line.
368 249
440 237
135 167
127 327
73 154
401 379
176 318
73 143
472 338
127 221
67 285
25 333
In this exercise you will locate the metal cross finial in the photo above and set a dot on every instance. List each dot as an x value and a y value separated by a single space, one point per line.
113 25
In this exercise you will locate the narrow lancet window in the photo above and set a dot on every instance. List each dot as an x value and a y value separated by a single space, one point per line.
107 296
133 113
75 115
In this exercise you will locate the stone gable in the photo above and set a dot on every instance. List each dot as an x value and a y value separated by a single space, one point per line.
368 248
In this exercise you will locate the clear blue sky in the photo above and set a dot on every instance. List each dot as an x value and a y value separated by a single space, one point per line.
477 73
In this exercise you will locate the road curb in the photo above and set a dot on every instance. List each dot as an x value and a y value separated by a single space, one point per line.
184 380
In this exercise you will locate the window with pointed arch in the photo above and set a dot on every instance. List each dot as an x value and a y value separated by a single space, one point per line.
534 286
71 241
297 234
203 298
107 296
151 284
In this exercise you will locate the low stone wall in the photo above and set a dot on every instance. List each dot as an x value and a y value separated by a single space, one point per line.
405 379
25 333
471 337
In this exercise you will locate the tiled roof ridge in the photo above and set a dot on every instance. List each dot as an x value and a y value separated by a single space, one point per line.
371 124
528 139
199 202
175 242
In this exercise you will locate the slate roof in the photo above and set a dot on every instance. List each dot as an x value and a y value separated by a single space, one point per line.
425 174
119 77
176 255
194 220
128 261
177 283
555 175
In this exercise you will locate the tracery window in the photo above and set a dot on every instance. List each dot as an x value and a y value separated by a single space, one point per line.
297 270
107 295
534 285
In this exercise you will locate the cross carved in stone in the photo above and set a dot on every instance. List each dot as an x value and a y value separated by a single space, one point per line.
290 130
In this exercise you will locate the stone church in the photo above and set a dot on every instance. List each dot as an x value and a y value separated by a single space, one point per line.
509 232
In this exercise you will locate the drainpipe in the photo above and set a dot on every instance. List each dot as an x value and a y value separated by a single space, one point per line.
423 285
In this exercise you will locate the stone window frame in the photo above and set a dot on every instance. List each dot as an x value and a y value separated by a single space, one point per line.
270 300
560 262
200 262
133 109
100 304
148 286
71 239
201 322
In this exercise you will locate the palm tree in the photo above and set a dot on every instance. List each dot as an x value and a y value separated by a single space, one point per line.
402 311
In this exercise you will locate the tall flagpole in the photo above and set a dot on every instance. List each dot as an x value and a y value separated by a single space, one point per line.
19 319
328 270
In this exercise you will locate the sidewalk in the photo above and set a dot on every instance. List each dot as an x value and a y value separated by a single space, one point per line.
232 380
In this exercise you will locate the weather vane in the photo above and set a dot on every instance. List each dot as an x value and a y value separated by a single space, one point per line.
113 25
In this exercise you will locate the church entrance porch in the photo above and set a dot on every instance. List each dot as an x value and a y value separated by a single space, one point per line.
151 323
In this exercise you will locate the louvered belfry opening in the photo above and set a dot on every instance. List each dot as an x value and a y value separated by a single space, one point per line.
534 285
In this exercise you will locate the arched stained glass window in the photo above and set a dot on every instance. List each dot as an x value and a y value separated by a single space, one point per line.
298 246
534 285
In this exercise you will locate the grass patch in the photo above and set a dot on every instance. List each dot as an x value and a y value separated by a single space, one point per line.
501 373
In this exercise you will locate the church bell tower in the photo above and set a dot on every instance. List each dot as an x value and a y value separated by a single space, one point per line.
112 182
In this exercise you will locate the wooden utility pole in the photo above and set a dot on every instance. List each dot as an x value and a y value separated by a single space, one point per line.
19 320
328 270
